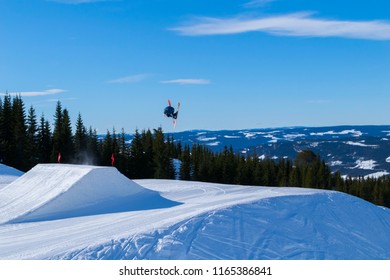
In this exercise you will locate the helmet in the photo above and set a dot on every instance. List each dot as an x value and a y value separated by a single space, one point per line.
168 111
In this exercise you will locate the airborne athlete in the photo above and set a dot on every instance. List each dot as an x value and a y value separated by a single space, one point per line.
169 111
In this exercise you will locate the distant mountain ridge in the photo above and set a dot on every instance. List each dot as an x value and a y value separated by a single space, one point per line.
354 150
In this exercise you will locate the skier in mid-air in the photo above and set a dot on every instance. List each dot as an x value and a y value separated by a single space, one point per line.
169 111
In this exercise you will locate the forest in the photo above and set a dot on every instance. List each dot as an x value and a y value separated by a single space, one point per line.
26 140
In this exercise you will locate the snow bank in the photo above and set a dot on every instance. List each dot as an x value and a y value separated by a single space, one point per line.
8 175
213 221
56 191
327 225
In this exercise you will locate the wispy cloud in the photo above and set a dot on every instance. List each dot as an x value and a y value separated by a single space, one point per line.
78 1
37 93
258 3
187 82
130 79
296 24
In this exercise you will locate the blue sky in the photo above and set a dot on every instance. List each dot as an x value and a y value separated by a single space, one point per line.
232 64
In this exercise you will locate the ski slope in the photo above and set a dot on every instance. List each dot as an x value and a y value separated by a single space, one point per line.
8 175
52 192
181 220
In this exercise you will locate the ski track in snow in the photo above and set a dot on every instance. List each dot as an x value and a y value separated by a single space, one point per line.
283 231
209 221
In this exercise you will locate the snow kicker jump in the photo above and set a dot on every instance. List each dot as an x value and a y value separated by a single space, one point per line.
57 191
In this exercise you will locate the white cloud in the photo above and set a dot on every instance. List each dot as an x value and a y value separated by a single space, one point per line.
37 93
296 24
130 79
78 1
258 3
187 82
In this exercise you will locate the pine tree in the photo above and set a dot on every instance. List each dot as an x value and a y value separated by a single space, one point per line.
80 142
67 154
283 172
185 168
123 159
137 161
229 166
92 147
115 148
147 146
258 172
32 138
44 141
243 172
6 131
107 150
163 164
57 133
19 139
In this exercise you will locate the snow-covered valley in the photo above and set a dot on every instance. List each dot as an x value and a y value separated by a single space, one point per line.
85 212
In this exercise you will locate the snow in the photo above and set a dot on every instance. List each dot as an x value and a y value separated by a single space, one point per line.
216 143
8 175
336 163
53 191
314 144
365 164
272 137
231 136
292 136
253 134
377 175
177 165
182 220
205 139
386 131
354 132
361 144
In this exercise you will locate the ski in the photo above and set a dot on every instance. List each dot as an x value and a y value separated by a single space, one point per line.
176 114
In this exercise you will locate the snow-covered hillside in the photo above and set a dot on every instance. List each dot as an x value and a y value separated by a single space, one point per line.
181 220
342 147
8 175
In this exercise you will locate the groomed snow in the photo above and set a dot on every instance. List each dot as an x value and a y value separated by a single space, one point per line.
54 191
208 221
8 175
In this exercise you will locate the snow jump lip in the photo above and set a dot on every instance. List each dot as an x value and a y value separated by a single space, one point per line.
59 191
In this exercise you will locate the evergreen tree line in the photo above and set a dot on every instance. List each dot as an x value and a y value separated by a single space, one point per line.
307 170
26 141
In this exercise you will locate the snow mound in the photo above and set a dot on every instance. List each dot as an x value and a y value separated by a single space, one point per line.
320 226
8 175
57 191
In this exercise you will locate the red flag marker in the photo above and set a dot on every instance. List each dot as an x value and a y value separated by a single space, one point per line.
112 159
59 157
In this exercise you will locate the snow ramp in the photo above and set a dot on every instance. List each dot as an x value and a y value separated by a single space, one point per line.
58 191
8 175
